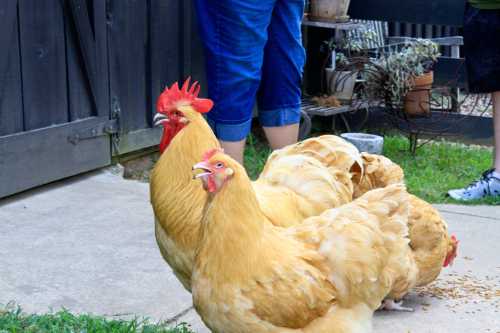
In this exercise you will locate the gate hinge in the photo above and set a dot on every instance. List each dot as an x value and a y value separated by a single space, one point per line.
109 127
115 115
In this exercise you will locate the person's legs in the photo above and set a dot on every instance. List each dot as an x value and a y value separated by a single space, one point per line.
280 88
483 72
234 34
281 136
489 183
234 149
496 126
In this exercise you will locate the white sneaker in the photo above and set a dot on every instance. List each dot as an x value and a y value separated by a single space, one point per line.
488 185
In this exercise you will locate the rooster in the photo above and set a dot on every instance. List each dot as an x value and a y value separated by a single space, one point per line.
297 181
328 274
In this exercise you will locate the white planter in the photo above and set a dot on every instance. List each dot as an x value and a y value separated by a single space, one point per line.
329 10
369 143
341 83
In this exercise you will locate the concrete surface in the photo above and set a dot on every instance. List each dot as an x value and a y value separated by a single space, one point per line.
87 244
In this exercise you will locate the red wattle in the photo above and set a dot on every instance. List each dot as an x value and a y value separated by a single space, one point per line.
168 135
212 187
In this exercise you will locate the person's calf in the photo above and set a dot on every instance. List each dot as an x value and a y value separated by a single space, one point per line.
282 136
234 149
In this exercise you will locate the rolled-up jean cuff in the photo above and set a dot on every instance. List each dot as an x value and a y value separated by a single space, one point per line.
230 132
280 117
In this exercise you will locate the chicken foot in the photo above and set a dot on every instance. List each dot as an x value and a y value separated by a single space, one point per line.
392 305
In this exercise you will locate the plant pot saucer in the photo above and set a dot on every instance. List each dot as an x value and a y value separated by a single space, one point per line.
365 142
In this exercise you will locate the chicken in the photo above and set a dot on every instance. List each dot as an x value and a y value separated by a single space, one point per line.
378 171
304 171
433 247
285 195
298 181
328 274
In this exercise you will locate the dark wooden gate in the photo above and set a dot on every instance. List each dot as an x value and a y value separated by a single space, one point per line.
53 74
78 80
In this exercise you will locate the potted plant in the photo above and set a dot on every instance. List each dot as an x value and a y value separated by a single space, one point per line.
343 60
403 78
329 10
341 77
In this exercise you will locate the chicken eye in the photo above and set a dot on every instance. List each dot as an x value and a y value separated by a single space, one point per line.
219 165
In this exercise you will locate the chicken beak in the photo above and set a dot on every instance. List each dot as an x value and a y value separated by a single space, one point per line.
159 119
204 166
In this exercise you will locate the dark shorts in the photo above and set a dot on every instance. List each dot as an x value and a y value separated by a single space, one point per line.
482 49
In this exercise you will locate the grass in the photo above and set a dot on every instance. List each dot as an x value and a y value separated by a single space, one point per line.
15 321
256 153
436 168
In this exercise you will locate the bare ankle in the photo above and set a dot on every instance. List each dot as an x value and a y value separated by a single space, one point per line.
280 137
234 149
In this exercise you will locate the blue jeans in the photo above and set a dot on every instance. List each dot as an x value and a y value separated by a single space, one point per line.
253 50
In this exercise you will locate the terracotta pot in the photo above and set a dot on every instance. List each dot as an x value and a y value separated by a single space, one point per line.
417 101
329 10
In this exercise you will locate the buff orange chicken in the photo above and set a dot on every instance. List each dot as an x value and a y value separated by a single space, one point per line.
328 274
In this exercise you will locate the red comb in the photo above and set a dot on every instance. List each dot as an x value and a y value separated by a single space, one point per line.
173 97
211 152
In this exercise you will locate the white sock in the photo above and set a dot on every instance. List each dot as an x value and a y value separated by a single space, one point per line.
496 174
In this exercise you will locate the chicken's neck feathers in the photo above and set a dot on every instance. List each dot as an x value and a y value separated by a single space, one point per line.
233 228
178 199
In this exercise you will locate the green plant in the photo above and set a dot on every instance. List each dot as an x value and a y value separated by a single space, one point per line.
345 50
390 77
13 320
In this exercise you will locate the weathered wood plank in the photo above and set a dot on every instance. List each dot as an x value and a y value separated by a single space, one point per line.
11 105
85 36
8 19
140 139
99 17
43 63
165 57
128 42
80 98
38 157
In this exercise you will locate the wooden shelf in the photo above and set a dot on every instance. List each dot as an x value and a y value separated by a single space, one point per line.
313 109
349 25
